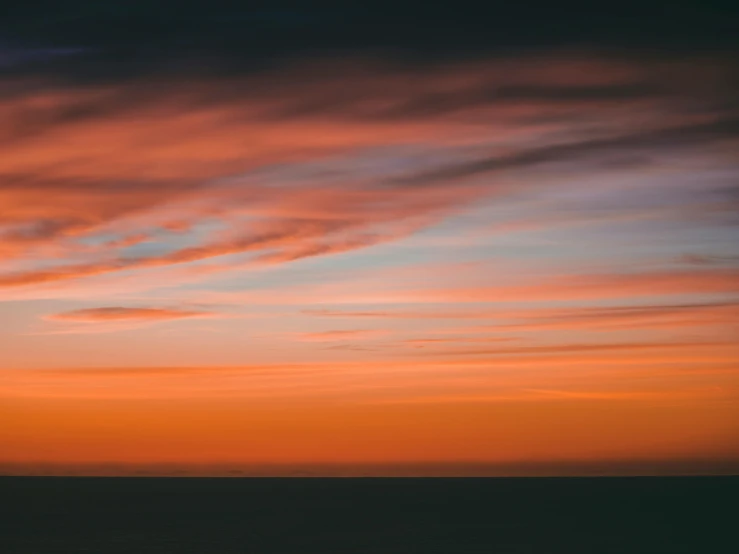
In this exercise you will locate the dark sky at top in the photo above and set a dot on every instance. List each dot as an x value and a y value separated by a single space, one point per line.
119 38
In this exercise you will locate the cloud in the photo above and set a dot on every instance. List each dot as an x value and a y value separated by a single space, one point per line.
659 141
422 290
115 319
707 259
583 348
544 395
616 285
117 314
660 316
599 366
609 318
340 335
402 314
647 317
304 160
423 342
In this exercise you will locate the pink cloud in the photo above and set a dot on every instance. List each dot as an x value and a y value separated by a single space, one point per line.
293 171
116 314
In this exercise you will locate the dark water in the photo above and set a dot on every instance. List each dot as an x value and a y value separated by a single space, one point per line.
404 516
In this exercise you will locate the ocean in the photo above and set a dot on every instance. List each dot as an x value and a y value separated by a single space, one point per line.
630 515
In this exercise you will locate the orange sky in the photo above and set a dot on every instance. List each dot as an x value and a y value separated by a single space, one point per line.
205 272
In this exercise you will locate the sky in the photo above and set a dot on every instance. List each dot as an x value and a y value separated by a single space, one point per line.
493 240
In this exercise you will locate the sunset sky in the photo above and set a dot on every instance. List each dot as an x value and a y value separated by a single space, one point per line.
279 238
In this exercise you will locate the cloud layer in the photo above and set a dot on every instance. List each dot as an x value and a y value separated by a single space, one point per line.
276 257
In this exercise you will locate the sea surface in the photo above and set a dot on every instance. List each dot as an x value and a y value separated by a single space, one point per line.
49 515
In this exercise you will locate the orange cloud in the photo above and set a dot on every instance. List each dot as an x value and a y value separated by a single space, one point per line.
711 315
340 335
399 314
555 349
115 314
420 343
615 285
541 395
292 171
281 239
604 318
532 366
631 317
